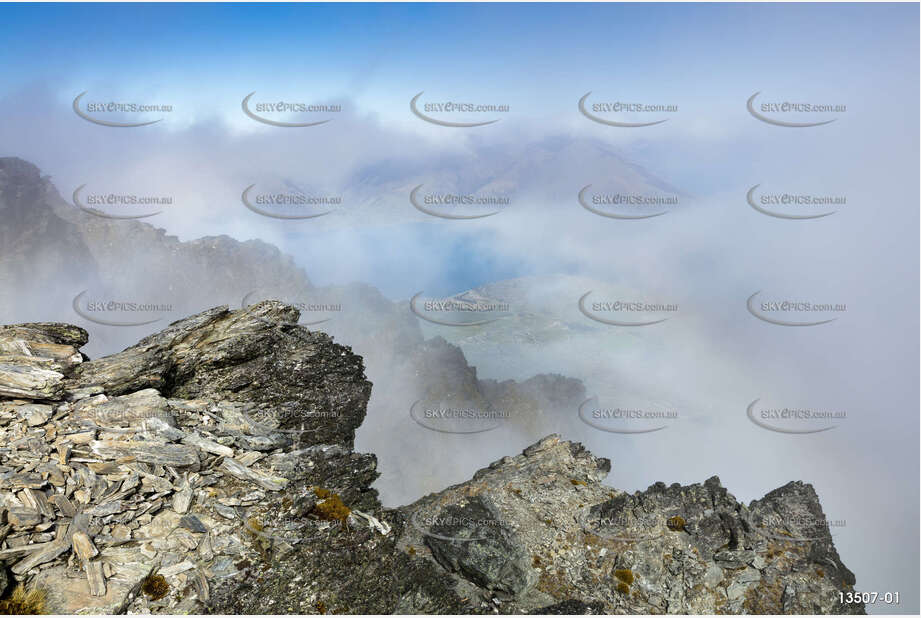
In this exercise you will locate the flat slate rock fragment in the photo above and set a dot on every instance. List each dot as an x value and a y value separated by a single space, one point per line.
83 546
190 522
175 455
241 472
29 379
95 577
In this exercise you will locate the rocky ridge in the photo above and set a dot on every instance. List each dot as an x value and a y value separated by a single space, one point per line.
69 250
211 468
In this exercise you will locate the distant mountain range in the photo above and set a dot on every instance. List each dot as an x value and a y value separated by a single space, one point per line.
546 173
51 251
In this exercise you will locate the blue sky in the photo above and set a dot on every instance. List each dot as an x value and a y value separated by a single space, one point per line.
539 59
529 55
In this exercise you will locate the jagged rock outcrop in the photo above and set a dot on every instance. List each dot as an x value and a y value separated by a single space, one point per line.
210 468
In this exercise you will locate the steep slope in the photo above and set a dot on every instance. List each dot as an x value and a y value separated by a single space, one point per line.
36 245
51 251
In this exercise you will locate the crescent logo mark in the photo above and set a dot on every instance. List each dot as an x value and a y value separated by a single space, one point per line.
612 123
414 519
420 207
258 211
414 309
412 414
76 306
269 430
275 123
98 213
246 303
787 537
293 540
627 539
444 123
611 215
751 310
751 202
106 123
781 123
608 429
751 416
589 315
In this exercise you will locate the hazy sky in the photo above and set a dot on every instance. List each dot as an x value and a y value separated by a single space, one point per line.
540 60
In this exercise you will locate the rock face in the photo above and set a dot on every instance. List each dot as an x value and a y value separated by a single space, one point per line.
210 468
471 539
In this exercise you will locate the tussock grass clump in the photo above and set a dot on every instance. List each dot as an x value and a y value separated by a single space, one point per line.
331 507
676 523
624 575
322 493
155 587
24 601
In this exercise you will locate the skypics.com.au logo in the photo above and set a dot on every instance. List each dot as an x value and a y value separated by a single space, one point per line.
781 113
116 113
610 113
461 310
793 420
625 308
457 417
627 206
625 419
794 206
448 113
454 205
289 205
271 112
314 310
780 311
119 205
108 311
